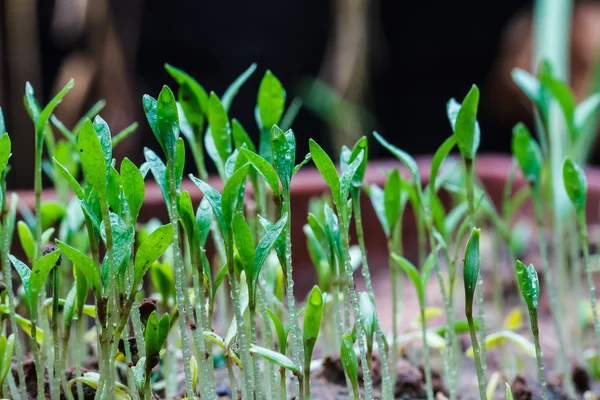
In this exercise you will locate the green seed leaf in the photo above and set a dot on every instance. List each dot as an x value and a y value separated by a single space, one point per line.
244 243
24 273
265 245
412 273
159 171
564 96
279 330
529 284
103 132
437 161
188 220
508 392
204 220
391 198
7 347
271 100
215 200
44 115
368 316
471 266
266 171
466 129
312 323
70 179
39 274
283 146
348 176
151 336
133 188
192 96
359 176
575 185
241 137
5 148
528 154
231 193
166 129
92 159
349 361
85 264
164 325
584 111
530 85
151 249
404 157
327 170
69 307
234 88
297 168
275 358
498 339
27 241
220 129
378 201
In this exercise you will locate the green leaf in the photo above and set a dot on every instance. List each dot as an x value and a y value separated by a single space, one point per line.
7 347
530 85
327 170
391 199
347 177
283 146
231 193
216 339
204 220
85 264
564 96
92 159
24 273
466 128
133 188
412 273
584 111
279 330
361 145
275 358
188 219
39 274
124 134
368 316
244 243
167 121
219 279
404 157
220 129
164 325
529 284
214 198
471 266
192 97
498 339
265 245
159 171
377 197
265 170
52 213
297 168
508 393
163 280
151 336
271 100
103 133
70 179
234 88
240 136
44 116
576 186
437 161
349 361
312 323
5 148
27 240
528 154
452 109
69 307
151 249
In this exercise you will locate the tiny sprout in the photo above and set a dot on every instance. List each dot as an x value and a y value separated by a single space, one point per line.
528 154
310 331
350 363
7 346
575 185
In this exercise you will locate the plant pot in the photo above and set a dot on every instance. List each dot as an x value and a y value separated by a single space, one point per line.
491 170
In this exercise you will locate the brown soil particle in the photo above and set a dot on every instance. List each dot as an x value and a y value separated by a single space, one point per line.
409 381
581 379
332 370
146 306
520 389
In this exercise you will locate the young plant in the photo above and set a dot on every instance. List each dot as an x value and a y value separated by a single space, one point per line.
340 187
7 347
472 262
529 157
530 288
576 186
420 282
313 315
350 363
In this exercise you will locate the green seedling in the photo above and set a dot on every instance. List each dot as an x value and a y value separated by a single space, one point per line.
576 187
7 347
529 157
155 334
472 262
350 363
313 315
530 288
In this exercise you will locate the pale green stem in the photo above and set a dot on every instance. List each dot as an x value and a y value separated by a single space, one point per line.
267 338
79 330
283 384
575 263
590 279
179 276
360 333
256 365
232 381
39 368
538 352
428 384
477 354
128 358
564 361
385 371
58 372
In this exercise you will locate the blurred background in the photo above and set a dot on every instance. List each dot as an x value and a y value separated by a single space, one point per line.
356 65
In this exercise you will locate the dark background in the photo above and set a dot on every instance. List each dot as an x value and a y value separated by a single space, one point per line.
418 54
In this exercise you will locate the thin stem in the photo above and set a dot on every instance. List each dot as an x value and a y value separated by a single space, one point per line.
538 352
283 383
590 279
37 187
267 337
564 361
58 371
256 364
428 384
79 330
179 276
39 368
232 381
477 353
385 370
360 333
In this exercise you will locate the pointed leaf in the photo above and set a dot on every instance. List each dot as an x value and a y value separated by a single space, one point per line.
271 100
44 116
231 193
219 127
391 196
283 146
403 156
279 330
39 274
275 358
349 361
265 170
412 273
266 244
244 243
312 322
151 249
84 263
575 183
240 136
471 266
466 129
528 153
234 88
529 284
133 187
92 158
327 170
